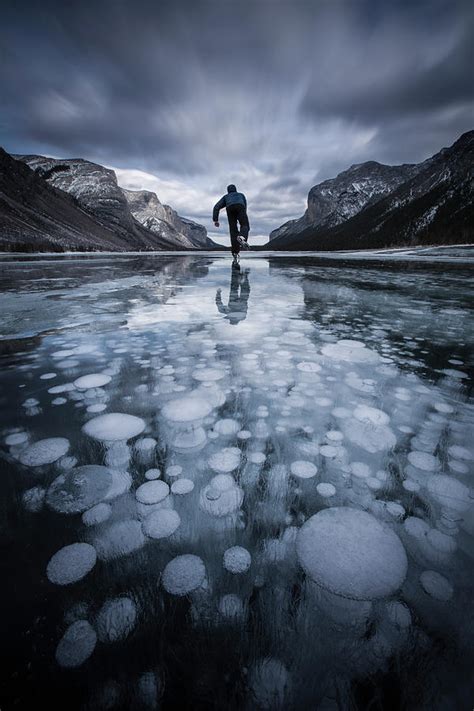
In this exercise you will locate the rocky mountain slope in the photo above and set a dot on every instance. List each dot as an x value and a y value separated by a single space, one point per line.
371 205
96 190
36 216
338 199
152 214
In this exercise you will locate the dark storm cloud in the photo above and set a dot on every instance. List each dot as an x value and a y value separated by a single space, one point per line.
273 95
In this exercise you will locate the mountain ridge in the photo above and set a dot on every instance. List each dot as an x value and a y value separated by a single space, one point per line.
432 205
97 191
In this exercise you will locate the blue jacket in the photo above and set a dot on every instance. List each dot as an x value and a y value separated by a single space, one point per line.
232 197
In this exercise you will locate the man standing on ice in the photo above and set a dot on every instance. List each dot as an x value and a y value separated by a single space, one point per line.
236 207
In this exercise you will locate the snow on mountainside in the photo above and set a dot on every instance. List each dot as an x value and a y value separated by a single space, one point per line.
338 199
434 204
36 217
96 190
150 212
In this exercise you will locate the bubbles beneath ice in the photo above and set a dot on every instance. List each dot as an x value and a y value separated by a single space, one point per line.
76 645
152 492
351 554
95 380
182 486
237 560
45 451
119 539
303 469
436 585
225 460
269 683
13 440
221 497
161 523
116 619
97 514
152 474
71 563
183 574
33 499
79 489
424 461
326 490
114 426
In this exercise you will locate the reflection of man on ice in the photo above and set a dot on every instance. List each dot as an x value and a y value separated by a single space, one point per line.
236 207
236 310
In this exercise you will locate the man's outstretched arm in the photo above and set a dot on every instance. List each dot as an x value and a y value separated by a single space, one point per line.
218 206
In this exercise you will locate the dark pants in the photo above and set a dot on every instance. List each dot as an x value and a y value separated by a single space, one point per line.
237 213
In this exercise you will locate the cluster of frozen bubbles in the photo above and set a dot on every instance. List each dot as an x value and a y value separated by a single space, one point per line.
274 463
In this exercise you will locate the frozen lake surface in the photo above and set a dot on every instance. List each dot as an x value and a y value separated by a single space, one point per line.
237 489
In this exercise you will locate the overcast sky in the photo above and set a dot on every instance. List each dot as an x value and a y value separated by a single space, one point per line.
183 97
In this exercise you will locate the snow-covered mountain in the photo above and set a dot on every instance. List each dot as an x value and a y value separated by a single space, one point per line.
96 191
157 217
338 199
371 205
36 216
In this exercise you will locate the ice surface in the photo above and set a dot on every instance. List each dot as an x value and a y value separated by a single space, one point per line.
196 456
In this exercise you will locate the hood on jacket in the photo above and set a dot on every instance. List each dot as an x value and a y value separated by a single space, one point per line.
231 188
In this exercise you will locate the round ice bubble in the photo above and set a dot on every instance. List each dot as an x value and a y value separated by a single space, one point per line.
79 489
364 413
449 492
237 560
145 445
231 607
186 409
119 539
13 440
152 492
221 497
116 619
76 645
227 427
436 585
71 563
183 574
307 366
45 451
349 351
114 426
350 553
269 683
97 514
424 461
161 524
459 452
303 469
182 486
326 490
151 474
225 460
95 380
33 499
